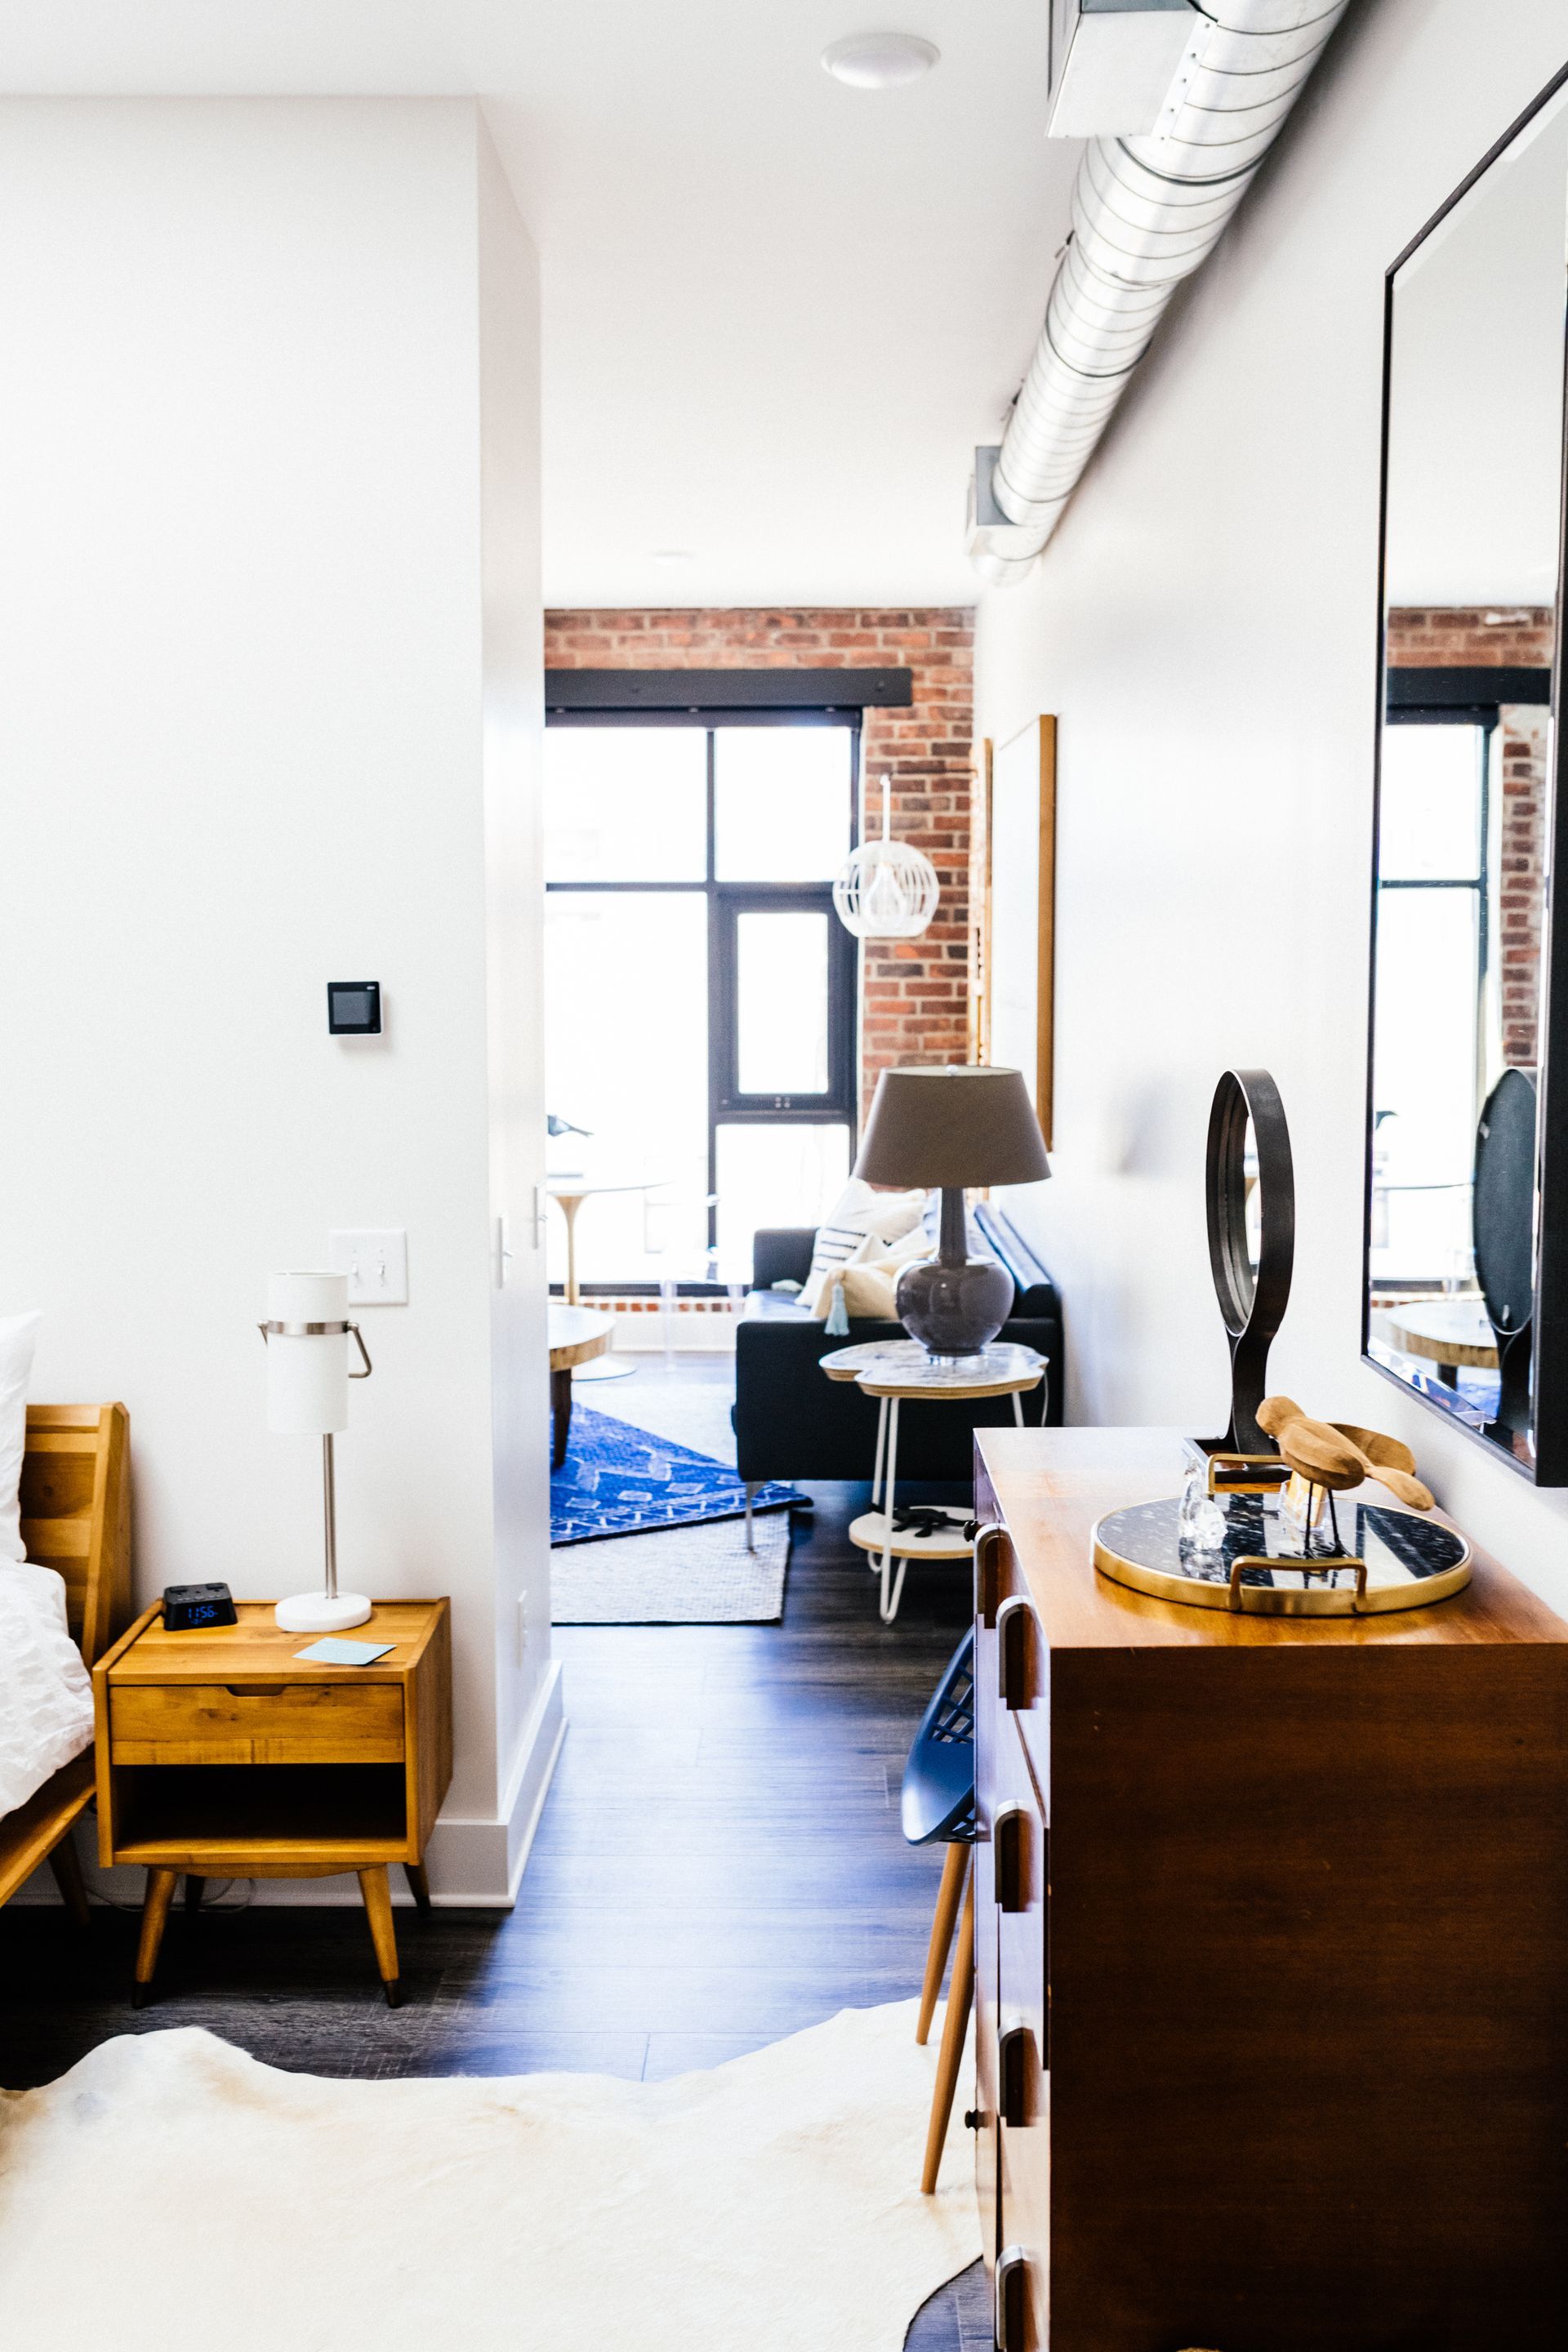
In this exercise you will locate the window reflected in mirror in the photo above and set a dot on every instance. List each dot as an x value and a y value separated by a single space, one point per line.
1471 528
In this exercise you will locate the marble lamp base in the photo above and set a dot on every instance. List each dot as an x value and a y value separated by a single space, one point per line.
321 1612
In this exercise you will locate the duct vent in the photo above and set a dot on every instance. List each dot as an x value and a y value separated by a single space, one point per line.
1113 63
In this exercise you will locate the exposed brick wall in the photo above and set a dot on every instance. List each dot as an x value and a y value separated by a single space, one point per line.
1469 636
914 994
1465 637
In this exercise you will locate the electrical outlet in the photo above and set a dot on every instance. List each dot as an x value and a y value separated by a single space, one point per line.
376 1263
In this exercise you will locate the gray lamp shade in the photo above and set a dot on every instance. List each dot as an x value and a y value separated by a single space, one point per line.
953 1127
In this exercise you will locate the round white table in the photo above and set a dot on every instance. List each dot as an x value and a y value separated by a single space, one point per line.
896 1372
569 1192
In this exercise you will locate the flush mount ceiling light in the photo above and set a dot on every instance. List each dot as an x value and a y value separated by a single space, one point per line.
879 60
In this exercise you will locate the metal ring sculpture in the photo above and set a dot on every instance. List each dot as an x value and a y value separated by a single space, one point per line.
1252 1303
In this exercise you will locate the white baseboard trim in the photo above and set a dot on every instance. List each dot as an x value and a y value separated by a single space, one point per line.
473 1864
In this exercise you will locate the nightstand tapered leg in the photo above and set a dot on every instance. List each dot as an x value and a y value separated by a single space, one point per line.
154 1913
419 1885
378 1909
66 1864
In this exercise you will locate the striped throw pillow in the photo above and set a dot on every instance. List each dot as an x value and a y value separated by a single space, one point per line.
859 1215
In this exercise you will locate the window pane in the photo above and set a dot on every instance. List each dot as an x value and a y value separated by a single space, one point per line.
782 803
1429 819
626 1056
774 1176
625 804
781 1004
1424 1085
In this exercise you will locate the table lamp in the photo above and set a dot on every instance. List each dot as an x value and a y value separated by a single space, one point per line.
306 1334
951 1128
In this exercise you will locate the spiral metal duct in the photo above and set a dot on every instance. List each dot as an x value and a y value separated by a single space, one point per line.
1146 213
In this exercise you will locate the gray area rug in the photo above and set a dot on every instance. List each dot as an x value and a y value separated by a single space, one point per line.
700 1575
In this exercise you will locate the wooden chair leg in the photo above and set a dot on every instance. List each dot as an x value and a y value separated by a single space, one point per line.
195 1889
155 1913
378 1909
419 1885
66 1864
960 1998
560 1416
950 1894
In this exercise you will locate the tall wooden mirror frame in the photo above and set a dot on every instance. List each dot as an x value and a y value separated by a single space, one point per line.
1549 1466
1015 955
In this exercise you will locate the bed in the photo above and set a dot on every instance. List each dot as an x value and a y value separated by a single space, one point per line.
76 1518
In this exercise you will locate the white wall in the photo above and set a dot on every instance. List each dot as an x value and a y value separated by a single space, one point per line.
1205 626
269 709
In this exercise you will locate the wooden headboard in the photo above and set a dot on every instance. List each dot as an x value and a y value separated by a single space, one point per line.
76 1512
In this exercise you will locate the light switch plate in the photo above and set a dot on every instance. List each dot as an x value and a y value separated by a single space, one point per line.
376 1263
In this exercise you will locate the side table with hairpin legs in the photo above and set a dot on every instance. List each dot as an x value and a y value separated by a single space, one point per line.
896 1372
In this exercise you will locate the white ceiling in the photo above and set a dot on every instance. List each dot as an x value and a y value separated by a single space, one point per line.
778 312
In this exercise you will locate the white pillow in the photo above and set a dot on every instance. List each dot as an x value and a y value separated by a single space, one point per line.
19 1337
859 1215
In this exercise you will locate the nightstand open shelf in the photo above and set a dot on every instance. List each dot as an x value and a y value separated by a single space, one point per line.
316 1812
222 1753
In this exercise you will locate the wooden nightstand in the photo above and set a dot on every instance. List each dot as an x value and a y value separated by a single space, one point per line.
222 1754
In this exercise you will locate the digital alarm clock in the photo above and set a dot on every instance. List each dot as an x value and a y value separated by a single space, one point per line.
188 1607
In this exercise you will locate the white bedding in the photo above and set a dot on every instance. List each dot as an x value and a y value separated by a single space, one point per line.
45 1697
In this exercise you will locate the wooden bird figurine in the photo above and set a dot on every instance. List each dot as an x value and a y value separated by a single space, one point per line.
1338 1455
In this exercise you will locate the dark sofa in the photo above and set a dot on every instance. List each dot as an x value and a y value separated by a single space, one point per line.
792 1421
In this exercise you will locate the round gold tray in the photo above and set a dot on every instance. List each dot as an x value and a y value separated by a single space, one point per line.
1392 1559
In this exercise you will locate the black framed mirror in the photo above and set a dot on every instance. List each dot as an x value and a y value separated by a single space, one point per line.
1466 1169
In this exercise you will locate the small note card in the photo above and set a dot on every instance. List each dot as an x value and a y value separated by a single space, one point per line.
331 1651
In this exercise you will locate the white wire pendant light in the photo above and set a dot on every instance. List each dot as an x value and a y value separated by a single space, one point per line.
886 889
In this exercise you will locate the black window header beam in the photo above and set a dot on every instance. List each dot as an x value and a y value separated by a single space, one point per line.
703 692
1463 691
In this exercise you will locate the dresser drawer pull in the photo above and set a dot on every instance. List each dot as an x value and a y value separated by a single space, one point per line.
1015 1647
1011 2299
255 1690
990 1545
1016 2068
1010 1832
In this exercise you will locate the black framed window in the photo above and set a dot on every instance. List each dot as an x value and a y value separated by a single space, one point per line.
701 1011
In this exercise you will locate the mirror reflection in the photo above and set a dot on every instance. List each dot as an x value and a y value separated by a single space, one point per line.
1470 569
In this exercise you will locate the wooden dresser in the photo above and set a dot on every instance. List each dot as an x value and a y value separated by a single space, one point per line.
1271 1940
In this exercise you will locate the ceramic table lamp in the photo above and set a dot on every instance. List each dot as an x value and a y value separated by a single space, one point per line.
306 1334
952 1127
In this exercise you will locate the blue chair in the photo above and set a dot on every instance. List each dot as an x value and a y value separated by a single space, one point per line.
937 1806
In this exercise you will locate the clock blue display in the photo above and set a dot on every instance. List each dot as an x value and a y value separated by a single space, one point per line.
188 1608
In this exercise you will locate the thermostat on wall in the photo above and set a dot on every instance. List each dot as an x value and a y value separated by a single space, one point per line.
353 1008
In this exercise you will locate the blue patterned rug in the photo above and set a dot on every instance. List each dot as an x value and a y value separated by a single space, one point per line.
616 1480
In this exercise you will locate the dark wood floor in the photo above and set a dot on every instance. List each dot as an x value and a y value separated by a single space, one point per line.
718 1862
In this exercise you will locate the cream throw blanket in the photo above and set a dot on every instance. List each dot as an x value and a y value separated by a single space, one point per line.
171 2195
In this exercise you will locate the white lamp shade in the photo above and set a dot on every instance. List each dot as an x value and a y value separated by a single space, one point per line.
308 1374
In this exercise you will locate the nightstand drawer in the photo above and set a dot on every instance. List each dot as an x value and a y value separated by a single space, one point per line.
288 1723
